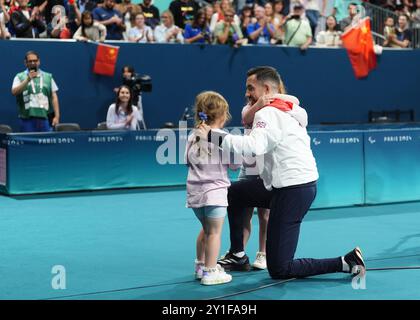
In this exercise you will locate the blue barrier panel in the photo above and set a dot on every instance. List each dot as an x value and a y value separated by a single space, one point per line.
392 165
339 157
355 167
54 162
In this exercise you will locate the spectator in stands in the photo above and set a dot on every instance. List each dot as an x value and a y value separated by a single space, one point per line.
389 30
352 18
89 5
220 15
58 26
4 18
183 11
340 8
313 12
74 16
331 37
402 37
246 20
46 8
122 115
26 22
228 32
90 30
167 31
36 95
209 9
198 31
261 32
111 19
416 16
297 30
151 13
140 33
275 21
128 11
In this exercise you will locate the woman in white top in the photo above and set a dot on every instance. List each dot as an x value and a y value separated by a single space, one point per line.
89 29
167 31
331 36
141 33
122 115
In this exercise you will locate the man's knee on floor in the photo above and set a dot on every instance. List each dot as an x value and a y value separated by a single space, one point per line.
281 271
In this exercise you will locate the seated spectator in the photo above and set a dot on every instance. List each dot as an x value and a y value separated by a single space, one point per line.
198 31
389 30
297 31
228 32
89 29
58 27
246 20
277 23
128 11
151 13
416 16
46 8
209 9
219 15
331 37
122 115
341 8
402 37
74 16
183 11
27 23
167 31
88 5
352 18
261 32
4 18
111 19
140 32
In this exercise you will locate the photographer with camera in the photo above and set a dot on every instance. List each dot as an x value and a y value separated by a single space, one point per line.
198 31
297 30
137 84
36 95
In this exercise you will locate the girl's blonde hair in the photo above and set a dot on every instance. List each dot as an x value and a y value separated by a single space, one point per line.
213 105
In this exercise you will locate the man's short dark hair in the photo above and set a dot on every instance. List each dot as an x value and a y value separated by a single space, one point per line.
265 73
29 53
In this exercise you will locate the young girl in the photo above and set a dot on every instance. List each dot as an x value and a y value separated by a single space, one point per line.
89 29
207 186
122 115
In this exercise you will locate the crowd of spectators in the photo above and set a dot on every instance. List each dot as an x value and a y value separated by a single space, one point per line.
234 22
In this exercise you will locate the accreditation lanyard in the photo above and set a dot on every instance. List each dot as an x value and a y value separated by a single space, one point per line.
41 84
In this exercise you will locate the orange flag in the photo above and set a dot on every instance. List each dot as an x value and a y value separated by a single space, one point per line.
359 44
106 58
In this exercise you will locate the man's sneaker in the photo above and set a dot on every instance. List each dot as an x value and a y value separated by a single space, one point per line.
355 261
260 261
230 262
212 276
198 269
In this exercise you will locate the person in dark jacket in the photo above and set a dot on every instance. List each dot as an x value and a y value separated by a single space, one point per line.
26 22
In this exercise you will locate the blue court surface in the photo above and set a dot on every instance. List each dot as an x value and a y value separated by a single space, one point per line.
140 244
